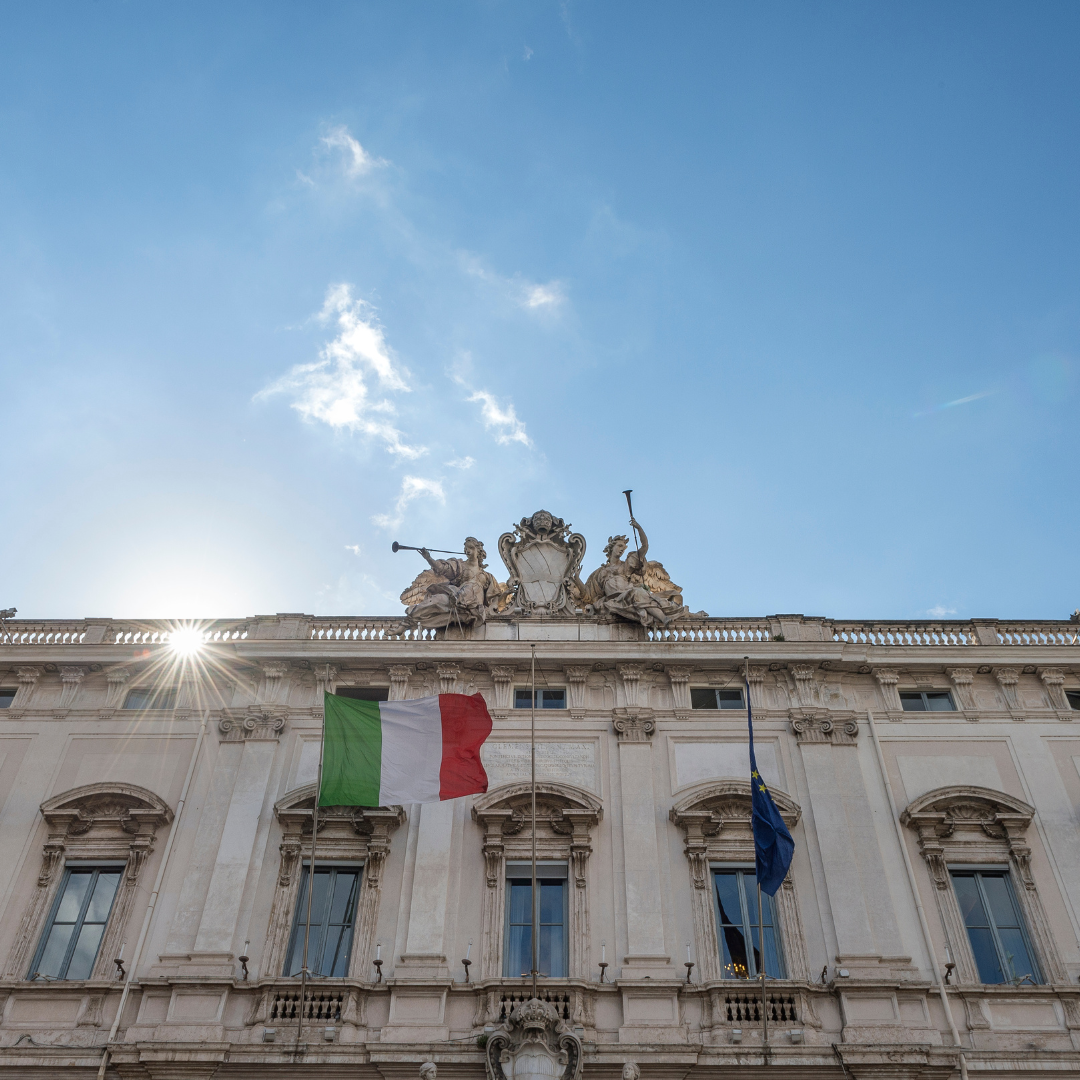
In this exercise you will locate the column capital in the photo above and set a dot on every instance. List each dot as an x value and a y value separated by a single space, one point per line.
633 725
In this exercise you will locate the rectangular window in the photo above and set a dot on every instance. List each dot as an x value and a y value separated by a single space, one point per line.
364 693
69 945
551 882
545 699
735 893
927 701
1073 697
150 698
7 696
715 699
994 926
333 913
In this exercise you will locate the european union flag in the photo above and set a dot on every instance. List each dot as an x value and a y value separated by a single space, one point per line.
773 846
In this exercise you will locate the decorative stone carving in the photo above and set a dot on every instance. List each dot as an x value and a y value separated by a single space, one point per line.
534 1044
1054 681
544 560
815 726
345 833
634 725
565 818
887 679
634 588
454 592
630 676
967 824
715 819
577 678
963 680
325 682
630 1071
107 821
502 675
428 1071
70 678
256 723
680 689
1007 678
448 677
116 682
399 681
273 677
28 677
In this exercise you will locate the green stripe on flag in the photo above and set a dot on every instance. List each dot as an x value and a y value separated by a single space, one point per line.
352 752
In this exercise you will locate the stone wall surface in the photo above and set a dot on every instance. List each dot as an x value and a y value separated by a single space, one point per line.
639 795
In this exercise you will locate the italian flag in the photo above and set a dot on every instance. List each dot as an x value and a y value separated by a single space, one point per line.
378 753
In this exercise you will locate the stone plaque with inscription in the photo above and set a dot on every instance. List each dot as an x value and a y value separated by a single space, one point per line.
570 762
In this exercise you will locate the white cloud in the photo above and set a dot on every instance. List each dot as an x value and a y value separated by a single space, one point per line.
354 548
357 160
531 295
503 422
334 389
462 463
939 611
412 487
550 295
527 54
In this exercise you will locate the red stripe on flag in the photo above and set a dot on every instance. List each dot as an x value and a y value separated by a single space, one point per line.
466 723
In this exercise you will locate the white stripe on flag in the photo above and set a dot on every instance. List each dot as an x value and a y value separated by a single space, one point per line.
411 751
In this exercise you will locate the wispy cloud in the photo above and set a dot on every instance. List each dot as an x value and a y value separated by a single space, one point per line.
356 160
953 404
550 295
501 420
939 611
412 487
530 295
334 389
527 54
354 548
462 463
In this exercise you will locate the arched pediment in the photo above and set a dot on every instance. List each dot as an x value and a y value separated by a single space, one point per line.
294 808
126 807
514 796
730 800
965 806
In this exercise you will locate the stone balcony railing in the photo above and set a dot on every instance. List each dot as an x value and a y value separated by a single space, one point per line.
695 629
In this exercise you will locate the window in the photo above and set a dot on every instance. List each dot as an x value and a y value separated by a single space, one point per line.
927 701
735 891
545 699
8 696
364 693
551 881
150 698
333 913
994 927
715 699
1072 695
69 945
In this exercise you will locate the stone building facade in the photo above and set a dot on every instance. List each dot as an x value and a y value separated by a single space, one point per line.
156 810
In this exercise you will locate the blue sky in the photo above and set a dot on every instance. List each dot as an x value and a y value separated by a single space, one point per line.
282 283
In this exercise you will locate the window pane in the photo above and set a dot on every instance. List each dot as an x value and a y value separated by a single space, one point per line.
521 699
551 902
82 959
552 699
982 945
325 964
1002 909
77 884
521 902
703 699
912 703
6 698
727 895
341 908
518 950
364 693
971 905
319 898
52 956
104 891
552 951
1073 697
729 699
1017 958
939 702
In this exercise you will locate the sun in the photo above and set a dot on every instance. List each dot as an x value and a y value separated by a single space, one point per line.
186 641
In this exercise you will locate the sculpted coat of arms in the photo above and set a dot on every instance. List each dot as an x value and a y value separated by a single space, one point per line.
544 559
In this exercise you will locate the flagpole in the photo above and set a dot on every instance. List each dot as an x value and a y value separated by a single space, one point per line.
760 913
532 759
311 870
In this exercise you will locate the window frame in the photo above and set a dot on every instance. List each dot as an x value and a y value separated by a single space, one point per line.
157 694
95 867
924 697
300 918
748 915
7 696
546 869
717 691
1073 698
540 690
998 870
363 693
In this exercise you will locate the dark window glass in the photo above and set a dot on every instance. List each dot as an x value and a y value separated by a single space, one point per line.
150 699
545 699
994 928
333 911
701 698
553 941
364 693
740 938
1074 698
926 701
69 945
6 698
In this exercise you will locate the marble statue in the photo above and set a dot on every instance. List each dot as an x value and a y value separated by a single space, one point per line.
544 559
635 588
630 1071
429 1071
454 592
